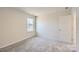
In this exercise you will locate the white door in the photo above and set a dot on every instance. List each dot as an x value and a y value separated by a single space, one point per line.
65 28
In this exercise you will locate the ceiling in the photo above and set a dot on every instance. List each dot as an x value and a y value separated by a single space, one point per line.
41 10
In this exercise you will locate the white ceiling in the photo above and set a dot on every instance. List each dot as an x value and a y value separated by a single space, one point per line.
41 10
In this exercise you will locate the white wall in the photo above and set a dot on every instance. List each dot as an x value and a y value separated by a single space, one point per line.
47 25
12 26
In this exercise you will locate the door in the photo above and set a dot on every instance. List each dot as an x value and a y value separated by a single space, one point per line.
65 28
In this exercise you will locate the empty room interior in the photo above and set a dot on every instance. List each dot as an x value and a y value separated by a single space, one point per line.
38 29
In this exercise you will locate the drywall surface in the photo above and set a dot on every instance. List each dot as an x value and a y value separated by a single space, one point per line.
48 25
12 26
77 28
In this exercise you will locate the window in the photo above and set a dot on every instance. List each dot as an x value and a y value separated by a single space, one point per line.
30 24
